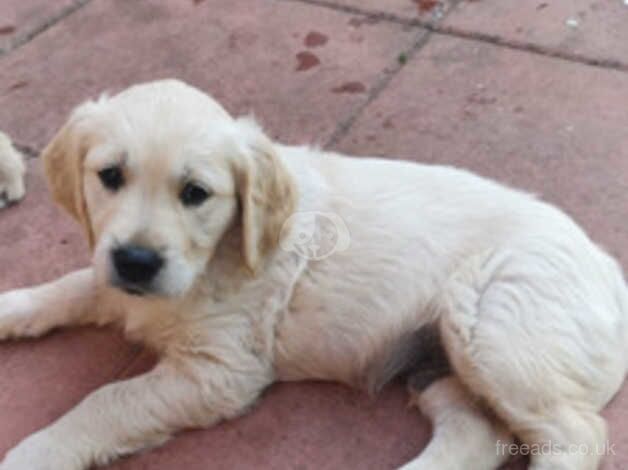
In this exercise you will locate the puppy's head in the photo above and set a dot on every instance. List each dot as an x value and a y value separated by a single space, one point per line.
157 175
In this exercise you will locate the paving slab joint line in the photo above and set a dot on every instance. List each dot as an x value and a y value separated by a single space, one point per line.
438 28
31 34
345 124
529 47
379 15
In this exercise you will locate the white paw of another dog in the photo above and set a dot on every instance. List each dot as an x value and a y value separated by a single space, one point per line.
12 172
11 194
16 315
40 452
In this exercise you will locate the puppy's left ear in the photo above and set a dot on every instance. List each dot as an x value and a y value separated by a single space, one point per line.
267 192
63 164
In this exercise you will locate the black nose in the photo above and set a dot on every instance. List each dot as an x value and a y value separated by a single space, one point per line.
135 264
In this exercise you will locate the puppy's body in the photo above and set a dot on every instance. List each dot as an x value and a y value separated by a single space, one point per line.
531 313
414 230
12 171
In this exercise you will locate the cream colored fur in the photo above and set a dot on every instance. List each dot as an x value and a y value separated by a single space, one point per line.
12 171
533 315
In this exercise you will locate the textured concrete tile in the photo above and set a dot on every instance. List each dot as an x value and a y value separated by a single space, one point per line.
548 126
300 68
425 10
41 379
19 18
594 28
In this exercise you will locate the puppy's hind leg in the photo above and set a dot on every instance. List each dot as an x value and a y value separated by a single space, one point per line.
464 437
520 334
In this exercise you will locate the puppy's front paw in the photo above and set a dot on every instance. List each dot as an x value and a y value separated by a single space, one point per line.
40 452
17 315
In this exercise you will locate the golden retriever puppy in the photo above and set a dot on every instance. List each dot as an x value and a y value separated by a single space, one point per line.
243 262
12 171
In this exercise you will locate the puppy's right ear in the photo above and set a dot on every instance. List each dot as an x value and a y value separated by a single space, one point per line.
63 164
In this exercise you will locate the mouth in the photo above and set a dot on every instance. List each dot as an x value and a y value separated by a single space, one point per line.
131 289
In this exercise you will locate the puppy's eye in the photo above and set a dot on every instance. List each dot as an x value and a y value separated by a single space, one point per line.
193 195
111 178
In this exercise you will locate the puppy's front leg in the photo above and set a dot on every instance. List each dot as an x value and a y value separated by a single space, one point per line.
35 310
142 412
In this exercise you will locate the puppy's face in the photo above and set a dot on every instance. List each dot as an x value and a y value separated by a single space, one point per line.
157 175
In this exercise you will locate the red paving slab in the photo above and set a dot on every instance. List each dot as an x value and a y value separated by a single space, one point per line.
252 55
38 241
20 18
593 28
526 120
42 379
552 127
